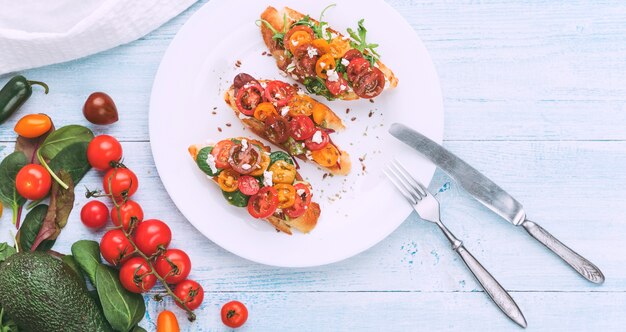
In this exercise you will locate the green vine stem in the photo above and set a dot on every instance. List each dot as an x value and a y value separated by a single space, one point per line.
54 176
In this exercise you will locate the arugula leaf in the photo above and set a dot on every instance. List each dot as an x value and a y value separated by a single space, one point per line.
359 42
9 167
278 35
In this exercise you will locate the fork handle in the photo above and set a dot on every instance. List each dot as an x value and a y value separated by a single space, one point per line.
586 269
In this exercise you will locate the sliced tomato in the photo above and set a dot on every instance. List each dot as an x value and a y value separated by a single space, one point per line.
277 129
356 68
221 153
301 127
248 185
369 84
248 97
228 180
325 63
352 54
321 45
301 105
244 160
264 203
278 93
327 156
263 110
313 146
286 195
337 87
291 43
301 203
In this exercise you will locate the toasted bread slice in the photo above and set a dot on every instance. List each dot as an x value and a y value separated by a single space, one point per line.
304 223
282 21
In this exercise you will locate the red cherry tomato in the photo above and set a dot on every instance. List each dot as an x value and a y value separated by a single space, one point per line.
248 185
276 129
221 152
369 84
135 275
263 204
234 314
128 210
248 97
94 214
278 93
174 265
102 150
115 247
151 235
353 53
301 127
356 68
190 292
313 146
33 182
301 203
118 181
337 87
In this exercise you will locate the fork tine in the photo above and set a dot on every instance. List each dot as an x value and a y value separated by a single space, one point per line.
423 191
407 186
401 188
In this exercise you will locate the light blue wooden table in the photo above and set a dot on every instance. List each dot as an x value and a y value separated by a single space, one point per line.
535 97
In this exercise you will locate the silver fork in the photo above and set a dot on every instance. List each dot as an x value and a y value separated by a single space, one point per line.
427 206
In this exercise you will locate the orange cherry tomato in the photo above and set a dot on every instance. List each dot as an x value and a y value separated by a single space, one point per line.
326 156
167 322
33 125
286 195
319 113
325 63
301 105
283 172
298 38
264 110
228 180
339 47
263 165
321 45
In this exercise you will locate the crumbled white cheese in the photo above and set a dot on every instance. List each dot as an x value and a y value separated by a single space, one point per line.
263 85
243 116
294 42
387 83
333 35
295 77
345 62
323 65
342 87
290 67
311 51
332 75
246 167
244 144
282 73
308 155
317 137
267 178
301 192
284 111
210 160
300 92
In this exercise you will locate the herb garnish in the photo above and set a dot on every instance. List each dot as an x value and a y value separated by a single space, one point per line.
278 35
317 85
320 28
361 44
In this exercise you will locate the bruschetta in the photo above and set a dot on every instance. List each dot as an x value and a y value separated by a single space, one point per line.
282 114
328 63
266 183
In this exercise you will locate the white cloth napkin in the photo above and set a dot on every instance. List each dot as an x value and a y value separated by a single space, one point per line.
36 33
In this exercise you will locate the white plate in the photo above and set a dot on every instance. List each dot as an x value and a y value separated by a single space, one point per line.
359 210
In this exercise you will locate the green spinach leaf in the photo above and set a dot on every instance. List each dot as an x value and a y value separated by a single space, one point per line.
87 256
72 159
316 85
122 308
32 224
6 251
9 167
61 203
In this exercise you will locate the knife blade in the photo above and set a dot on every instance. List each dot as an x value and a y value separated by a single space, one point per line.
493 197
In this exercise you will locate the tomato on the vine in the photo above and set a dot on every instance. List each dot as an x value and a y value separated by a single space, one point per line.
120 182
190 293
102 150
115 247
151 236
128 210
234 314
135 275
174 265
94 214
33 182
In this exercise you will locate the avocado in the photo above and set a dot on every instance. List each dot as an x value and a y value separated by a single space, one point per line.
41 293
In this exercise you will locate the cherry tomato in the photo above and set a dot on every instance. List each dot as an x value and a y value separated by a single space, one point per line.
190 292
135 275
369 84
234 314
356 68
33 125
277 129
152 235
339 47
328 156
123 182
286 195
296 36
115 247
321 45
94 214
325 63
248 97
244 160
353 53
337 87
167 322
102 150
302 201
263 165
263 110
174 265
283 172
305 57
128 210
301 105
100 109
228 180
301 127
221 152
264 203
320 111
315 145
278 93
248 185
33 182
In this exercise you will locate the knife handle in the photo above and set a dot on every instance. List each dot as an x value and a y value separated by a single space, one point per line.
587 269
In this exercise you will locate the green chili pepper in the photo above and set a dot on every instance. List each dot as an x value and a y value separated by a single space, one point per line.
15 93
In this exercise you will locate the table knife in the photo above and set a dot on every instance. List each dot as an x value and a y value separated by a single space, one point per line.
492 196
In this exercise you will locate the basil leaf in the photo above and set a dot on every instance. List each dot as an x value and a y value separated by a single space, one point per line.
32 224
87 256
6 251
9 167
202 163
122 308
236 198
317 86
61 203
72 159
280 155
71 262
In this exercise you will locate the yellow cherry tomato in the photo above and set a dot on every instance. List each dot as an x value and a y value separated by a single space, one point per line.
228 180
325 63
33 125
319 113
327 156
286 195
301 105
167 322
264 110
283 172
321 45
263 164
339 47
298 38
